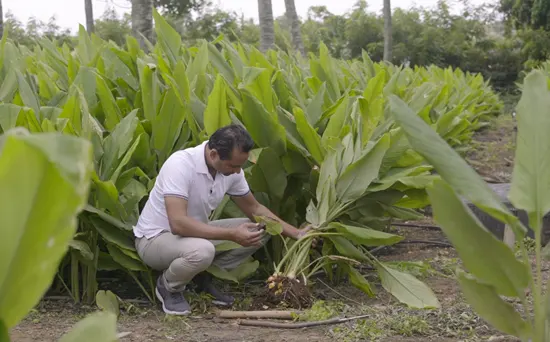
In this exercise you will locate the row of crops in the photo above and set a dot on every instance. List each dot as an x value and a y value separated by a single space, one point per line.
327 149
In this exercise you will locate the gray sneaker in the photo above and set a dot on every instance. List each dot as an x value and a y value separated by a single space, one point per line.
204 284
173 303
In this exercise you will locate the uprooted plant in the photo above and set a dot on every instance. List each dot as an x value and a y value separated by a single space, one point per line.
494 272
348 173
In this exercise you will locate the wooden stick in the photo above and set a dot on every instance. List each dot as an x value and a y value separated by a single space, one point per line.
266 324
276 314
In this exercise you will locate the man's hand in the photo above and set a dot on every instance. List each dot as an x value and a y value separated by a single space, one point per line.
303 231
248 234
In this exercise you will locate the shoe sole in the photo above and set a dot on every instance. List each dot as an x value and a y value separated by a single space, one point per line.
178 313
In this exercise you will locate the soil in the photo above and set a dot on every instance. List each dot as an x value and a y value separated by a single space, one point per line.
388 320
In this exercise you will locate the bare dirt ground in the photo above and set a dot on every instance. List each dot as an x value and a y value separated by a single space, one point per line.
388 320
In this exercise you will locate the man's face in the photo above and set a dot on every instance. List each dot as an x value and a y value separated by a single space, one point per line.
229 166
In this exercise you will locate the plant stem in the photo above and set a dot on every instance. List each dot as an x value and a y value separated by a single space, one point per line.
74 278
539 304
141 286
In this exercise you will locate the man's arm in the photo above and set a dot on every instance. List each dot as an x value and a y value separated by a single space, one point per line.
251 207
183 225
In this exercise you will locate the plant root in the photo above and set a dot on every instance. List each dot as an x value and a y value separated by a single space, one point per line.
274 314
288 291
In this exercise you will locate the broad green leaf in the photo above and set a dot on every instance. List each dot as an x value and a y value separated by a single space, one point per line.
450 166
237 274
311 139
226 246
167 126
359 281
42 194
346 248
96 327
272 227
315 107
83 248
110 108
216 114
27 94
531 176
406 288
113 234
268 175
262 126
150 91
107 301
123 259
492 308
355 180
117 144
9 114
168 37
365 236
473 243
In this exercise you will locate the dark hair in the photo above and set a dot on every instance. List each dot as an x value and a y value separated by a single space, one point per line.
227 138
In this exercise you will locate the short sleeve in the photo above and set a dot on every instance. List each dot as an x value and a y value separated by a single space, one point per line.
239 186
176 176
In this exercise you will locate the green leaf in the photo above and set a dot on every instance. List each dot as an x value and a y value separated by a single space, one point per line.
354 181
8 116
366 236
492 308
107 301
450 166
226 246
406 288
123 259
359 281
237 274
473 243
310 137
114 235
83 248
41 196
531 175
27 94
272 227
167 126
346 248
108 103
169 39
268 175
262 126
216 114
96 327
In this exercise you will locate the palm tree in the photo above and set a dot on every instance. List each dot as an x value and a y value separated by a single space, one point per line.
294 26
89 16
267 31
387 31
142 21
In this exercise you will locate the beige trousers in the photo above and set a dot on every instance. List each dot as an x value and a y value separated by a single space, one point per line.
181 258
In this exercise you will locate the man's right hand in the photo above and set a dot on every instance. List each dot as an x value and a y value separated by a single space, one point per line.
248 234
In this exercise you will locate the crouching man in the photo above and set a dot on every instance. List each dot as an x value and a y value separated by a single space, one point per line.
173 233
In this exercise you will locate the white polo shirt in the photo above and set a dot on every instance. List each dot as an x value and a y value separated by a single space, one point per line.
185 175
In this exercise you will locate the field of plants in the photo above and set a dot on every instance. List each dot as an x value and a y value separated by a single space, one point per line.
347 146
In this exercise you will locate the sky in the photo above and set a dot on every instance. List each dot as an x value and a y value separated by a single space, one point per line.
70 13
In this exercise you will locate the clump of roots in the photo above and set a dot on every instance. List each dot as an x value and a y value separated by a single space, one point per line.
292 292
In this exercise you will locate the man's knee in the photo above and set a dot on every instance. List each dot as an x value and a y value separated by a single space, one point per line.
203 254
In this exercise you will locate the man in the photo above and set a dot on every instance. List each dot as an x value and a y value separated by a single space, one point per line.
173 233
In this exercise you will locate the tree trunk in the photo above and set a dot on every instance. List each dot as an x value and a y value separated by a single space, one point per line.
295 29
89 16
387 31
1 20
267 36
142 21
